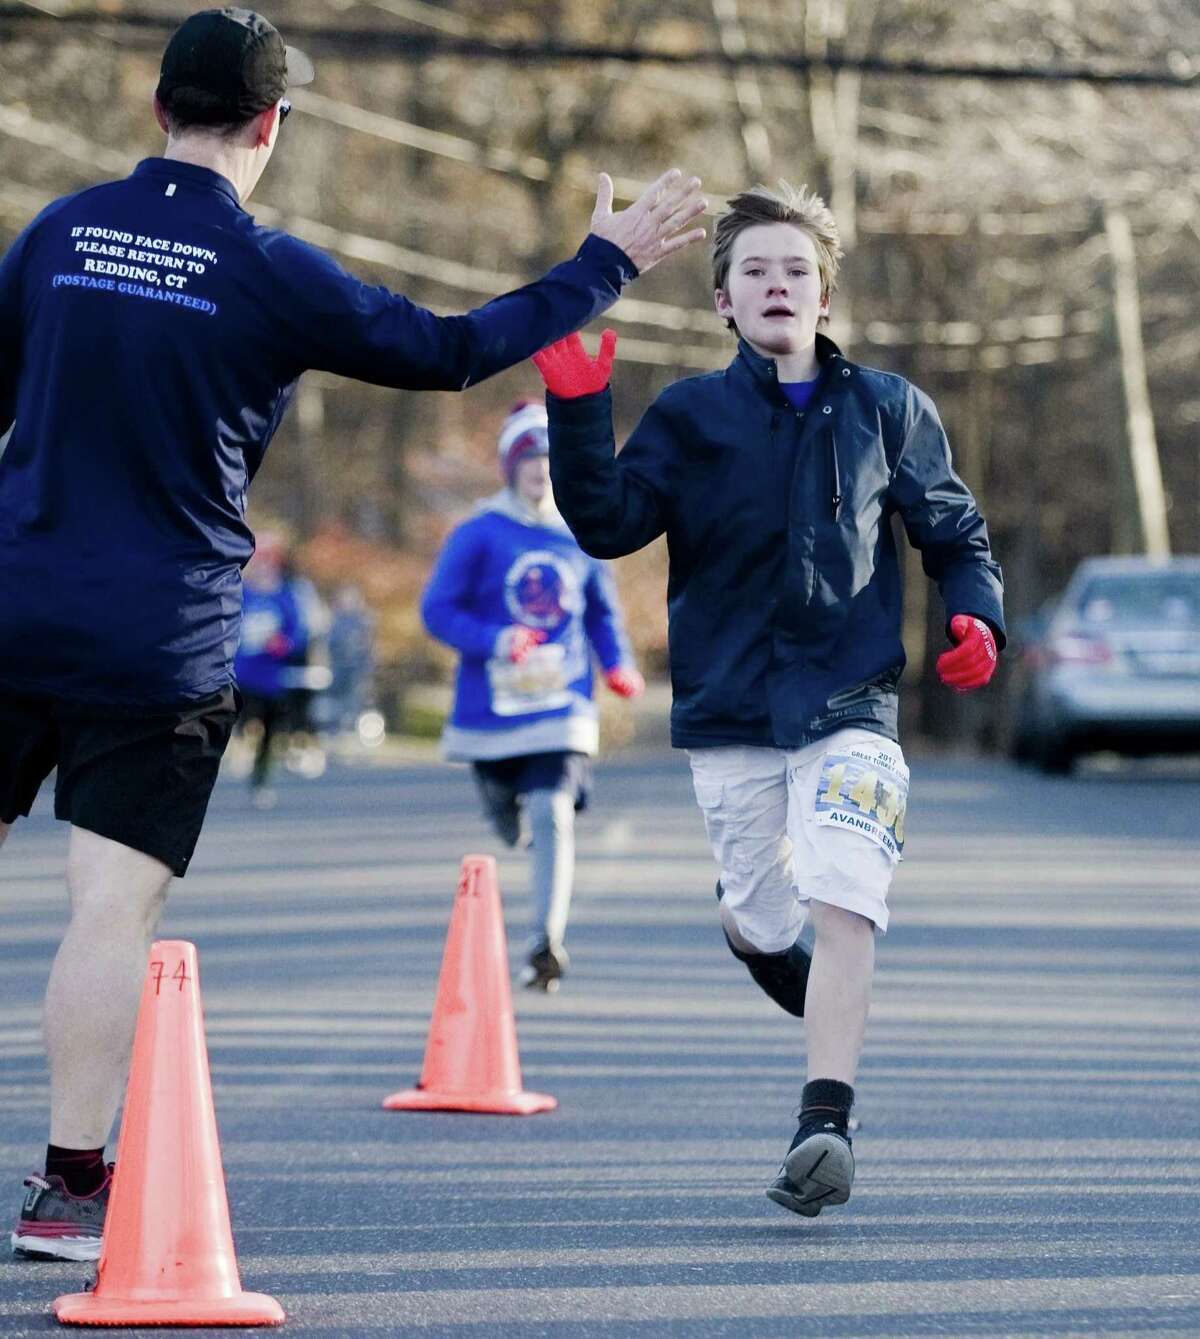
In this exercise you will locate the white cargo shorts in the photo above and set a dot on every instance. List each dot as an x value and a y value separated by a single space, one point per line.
790 826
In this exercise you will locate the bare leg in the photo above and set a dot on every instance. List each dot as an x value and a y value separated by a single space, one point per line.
839 991
117 895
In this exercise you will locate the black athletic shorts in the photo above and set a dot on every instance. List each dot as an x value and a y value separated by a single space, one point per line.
139 777
570 772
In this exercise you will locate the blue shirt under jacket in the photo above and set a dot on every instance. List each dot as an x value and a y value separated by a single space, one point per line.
151 335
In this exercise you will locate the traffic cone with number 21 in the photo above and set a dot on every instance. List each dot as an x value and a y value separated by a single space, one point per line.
471 1061
168 1255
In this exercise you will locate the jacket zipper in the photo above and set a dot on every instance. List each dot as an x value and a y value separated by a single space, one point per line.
835 501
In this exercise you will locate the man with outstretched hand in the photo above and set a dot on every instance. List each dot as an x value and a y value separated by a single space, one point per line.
775 482
151 336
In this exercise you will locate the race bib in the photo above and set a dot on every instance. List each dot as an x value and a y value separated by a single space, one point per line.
538 683
866 790
258 627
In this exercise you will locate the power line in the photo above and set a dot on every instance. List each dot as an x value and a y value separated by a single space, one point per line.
495 158
1055 220
148 30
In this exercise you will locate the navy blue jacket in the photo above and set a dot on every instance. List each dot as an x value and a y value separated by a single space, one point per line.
784 586
151 335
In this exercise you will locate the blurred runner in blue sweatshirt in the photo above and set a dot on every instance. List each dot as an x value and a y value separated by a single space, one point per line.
525 606
275 636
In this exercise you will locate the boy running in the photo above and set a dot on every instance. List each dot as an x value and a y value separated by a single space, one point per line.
526 608
775 482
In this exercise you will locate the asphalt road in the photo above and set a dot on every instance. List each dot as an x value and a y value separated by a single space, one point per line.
1029 1158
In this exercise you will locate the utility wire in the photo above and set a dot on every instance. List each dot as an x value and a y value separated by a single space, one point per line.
534 168
148 30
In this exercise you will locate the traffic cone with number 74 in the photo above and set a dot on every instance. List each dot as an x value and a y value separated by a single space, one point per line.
168 1255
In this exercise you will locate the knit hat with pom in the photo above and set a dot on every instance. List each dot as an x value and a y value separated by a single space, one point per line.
525 433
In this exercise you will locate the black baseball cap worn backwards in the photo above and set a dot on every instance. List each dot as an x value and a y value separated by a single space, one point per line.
223 66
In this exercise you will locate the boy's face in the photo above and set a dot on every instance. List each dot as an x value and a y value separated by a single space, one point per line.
531 479
773 291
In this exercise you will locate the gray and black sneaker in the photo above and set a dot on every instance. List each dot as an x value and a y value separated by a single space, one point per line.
56 1225
545 968
817 1172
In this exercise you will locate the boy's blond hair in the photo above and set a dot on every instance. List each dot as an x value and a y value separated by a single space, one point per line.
803 209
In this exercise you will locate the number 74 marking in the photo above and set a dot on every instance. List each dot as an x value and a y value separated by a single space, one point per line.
179 975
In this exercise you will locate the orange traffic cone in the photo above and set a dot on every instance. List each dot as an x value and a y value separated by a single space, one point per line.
168 1257
471 1059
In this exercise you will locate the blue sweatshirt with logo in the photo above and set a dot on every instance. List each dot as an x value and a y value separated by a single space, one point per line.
151 335
508 566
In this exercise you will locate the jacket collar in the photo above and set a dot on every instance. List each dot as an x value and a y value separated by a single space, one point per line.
764 373
191 174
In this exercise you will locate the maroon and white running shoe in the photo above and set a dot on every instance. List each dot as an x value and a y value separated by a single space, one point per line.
56 1225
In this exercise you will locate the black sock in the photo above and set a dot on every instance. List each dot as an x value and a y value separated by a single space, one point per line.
82 1169
825 1102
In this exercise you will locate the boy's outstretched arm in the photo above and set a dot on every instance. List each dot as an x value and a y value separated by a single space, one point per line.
613 505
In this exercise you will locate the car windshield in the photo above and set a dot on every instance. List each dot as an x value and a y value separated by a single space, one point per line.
1161 598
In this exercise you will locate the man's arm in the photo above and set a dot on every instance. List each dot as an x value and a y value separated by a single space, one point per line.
336 323
943 522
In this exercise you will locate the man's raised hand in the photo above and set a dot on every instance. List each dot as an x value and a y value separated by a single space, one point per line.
649 229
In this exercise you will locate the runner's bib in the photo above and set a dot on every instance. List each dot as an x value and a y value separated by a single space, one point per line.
865 790
538 683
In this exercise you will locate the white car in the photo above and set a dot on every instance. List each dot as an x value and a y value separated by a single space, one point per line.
1115 664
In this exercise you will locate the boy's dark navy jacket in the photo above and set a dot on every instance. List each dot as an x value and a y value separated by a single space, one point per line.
151 334
784 584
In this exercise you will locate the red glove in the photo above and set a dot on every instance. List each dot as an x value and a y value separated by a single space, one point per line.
569 371
973 661
625 682
278 646
522 640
